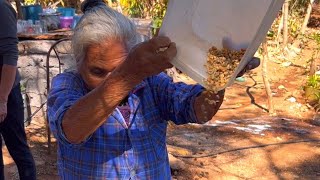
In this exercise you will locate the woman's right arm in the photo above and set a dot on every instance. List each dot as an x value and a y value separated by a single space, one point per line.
88 113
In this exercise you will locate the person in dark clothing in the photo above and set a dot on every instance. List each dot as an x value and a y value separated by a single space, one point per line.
11 103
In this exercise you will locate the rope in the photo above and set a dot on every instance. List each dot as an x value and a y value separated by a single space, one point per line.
243 148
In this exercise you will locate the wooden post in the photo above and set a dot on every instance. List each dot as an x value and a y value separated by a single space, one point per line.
265 77
280 29
285 12
307 17
313 67
297 42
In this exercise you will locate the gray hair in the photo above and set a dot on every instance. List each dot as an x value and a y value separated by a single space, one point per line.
102 24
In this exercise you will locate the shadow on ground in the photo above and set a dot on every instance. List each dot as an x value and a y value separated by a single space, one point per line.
288 149
45 162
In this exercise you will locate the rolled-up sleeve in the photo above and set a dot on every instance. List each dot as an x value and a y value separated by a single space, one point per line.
175 100
10 59
8 34
66 90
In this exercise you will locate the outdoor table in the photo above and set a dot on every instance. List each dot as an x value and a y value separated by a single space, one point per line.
52 35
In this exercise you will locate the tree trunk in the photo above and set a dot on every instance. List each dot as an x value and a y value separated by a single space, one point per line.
313 64
297 42
313 67
280 29
19 9
307 17
265 77
285 12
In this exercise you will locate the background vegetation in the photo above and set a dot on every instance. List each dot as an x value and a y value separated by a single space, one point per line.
288 32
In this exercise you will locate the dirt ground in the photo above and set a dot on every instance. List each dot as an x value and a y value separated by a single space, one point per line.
241 142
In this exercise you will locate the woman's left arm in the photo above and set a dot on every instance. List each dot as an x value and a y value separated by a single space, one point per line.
208 103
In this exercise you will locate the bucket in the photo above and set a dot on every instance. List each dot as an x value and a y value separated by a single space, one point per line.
66 12
31 12
66 22
76 19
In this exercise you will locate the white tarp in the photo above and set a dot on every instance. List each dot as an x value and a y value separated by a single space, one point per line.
197 25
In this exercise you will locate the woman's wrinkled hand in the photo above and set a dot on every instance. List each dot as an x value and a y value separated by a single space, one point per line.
151 57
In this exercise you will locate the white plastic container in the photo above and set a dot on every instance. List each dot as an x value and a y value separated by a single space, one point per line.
197 25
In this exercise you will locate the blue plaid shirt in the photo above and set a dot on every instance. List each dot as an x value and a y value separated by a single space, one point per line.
117 150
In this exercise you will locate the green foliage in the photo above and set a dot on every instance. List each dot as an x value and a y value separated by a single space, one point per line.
159 9
158 12
295 23
316 38
314 81
156 24
45 3
146 9
299 6
312 91
271 34
29 2
23 87
133 8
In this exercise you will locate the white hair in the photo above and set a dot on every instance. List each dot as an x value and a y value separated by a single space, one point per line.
102 24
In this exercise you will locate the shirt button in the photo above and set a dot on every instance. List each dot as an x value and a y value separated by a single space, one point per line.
132 173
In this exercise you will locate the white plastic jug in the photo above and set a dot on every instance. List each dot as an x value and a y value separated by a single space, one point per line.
197 25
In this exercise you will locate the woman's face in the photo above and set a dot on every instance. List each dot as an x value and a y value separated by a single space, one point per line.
101 59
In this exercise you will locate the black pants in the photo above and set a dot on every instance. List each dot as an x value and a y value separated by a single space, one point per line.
13 133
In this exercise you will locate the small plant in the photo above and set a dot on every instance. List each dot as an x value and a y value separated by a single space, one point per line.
156 24
294 24
312 91
314 81
23 87
316 37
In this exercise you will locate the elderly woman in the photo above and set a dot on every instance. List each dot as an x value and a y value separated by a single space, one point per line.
110 117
